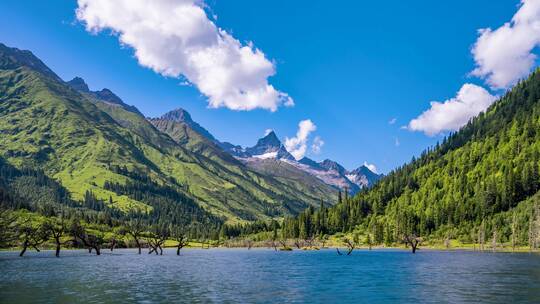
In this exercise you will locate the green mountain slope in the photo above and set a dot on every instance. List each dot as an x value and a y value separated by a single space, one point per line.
278 187
92 141
471 182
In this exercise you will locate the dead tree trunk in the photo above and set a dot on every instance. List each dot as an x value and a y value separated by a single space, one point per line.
57 251
24 247
350 246
413 241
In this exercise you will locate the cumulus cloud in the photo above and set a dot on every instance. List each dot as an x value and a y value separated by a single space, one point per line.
297 145
505 55
451 114
317 145
371 167
175 38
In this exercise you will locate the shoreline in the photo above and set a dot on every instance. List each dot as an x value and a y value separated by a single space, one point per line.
280 249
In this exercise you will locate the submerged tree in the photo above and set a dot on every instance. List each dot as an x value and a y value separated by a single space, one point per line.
57 228
90 241
31 235
413 241
156 239
181 239
135 229
408 226
494 240
351 244
481 236
115 238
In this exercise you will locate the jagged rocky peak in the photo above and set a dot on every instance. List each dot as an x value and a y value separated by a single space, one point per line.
105 95
309 162
332 165
108 96
270 140
363 170
79 84
178 115
14 57
182 116
269 147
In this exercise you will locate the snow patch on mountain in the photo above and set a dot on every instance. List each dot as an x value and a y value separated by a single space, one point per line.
266 155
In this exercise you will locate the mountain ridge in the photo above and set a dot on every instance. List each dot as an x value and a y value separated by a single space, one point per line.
93 141
270 147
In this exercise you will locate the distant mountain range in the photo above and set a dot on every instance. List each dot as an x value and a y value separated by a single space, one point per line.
269 149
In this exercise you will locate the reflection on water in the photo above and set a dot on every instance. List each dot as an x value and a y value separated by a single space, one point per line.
266 276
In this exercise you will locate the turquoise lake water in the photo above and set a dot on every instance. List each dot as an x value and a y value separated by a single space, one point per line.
266 276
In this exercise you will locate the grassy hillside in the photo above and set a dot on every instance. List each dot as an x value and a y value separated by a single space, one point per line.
82 138
472 183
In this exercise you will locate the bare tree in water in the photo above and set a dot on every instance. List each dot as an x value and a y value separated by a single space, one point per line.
408 228
156 239
115 239
298 243
284 246
481 236
181 238
351 244
31 235
135 229
57 228
413 241
91 241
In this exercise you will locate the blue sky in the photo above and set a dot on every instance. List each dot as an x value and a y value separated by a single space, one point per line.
350 66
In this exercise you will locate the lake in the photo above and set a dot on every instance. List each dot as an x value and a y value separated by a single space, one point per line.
266 276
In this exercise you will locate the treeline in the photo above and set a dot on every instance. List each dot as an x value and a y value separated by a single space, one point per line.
29 191
465 187
32 190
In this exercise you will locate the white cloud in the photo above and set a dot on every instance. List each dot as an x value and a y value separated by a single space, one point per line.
176 38
317 145
297 145
451 114
504 55
371 167
392 121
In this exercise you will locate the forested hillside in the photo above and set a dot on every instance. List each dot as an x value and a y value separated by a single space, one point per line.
478 184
